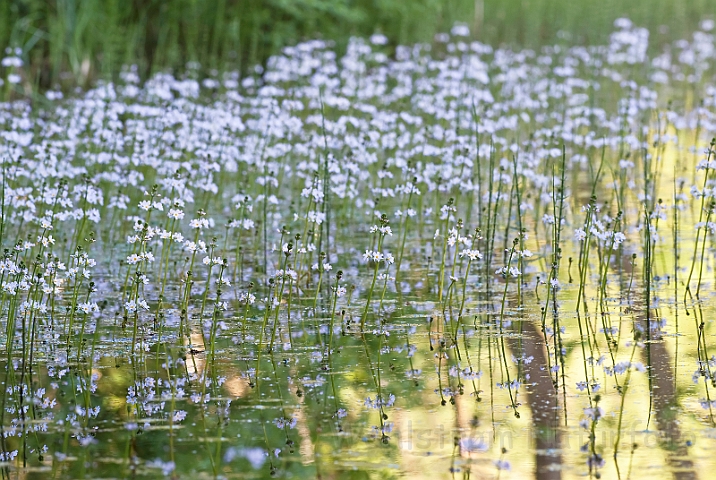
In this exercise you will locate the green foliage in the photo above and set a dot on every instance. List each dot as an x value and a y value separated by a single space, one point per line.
535 22
66 43
69 42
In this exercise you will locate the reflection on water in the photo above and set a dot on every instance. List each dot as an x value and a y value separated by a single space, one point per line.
455 261
309 415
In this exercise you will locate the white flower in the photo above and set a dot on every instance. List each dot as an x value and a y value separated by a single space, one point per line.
378 39
473 445
247 298
199 223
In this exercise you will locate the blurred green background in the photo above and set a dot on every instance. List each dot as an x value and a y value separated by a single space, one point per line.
68 43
